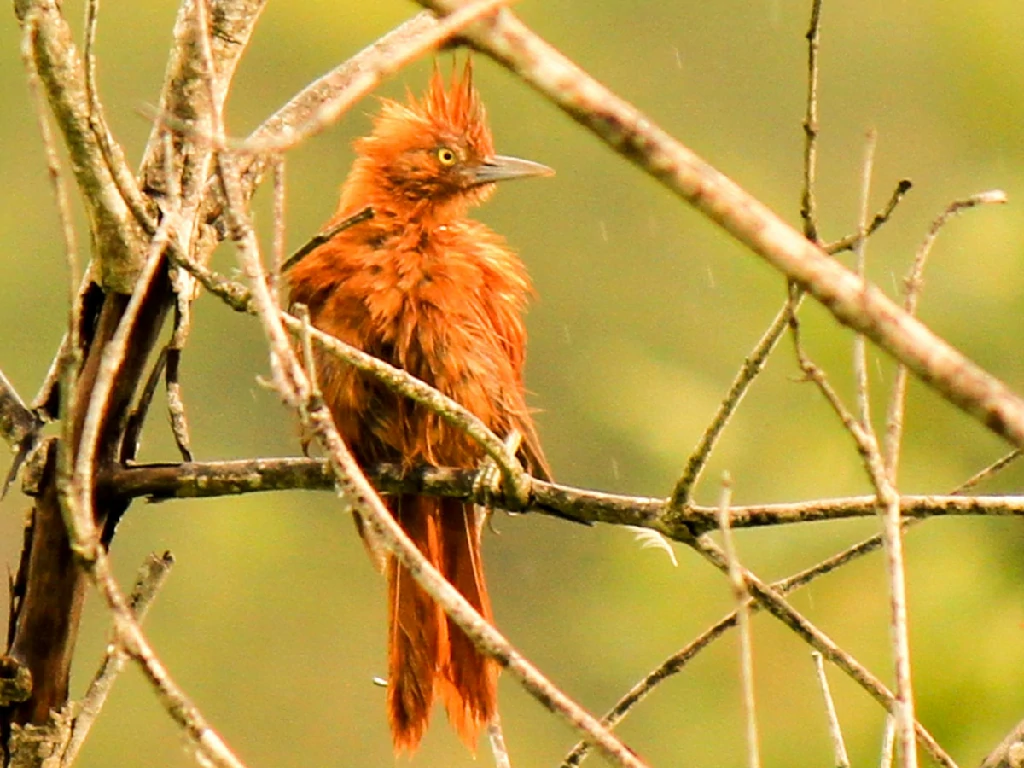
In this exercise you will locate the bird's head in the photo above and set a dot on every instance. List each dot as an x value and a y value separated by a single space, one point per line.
437 149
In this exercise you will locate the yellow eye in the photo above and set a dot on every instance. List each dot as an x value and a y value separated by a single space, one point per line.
446 157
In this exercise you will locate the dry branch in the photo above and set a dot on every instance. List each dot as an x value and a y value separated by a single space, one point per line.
777 606
116 236
202 64
299 392
861 306
160 482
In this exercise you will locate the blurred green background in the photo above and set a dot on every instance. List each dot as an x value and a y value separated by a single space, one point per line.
273 619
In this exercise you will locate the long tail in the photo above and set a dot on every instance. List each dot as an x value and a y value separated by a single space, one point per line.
429 655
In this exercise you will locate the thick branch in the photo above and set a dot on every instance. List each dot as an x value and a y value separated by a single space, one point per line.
160 482
861 306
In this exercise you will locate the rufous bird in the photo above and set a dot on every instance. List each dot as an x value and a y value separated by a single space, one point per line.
430 290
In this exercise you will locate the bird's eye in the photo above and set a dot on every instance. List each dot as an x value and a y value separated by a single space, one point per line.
446 157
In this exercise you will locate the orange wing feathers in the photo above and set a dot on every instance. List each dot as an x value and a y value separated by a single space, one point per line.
432 291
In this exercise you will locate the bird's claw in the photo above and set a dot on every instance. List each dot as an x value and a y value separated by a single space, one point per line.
489 483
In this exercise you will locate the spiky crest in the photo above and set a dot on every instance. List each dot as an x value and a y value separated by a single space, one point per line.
458 108
399 157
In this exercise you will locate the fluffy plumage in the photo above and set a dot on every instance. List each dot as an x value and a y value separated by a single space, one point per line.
432 291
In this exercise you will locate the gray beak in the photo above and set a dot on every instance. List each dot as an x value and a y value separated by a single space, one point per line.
501 168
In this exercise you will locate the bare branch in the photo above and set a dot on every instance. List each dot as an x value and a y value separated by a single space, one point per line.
808 201
1010 751
742 597
989 471
116 236
160 482
782 610
295 388
888 742
151 578
912 287
840 758
369 77
496 735
238 297
861 306
677 661
751 369
860 353
850 242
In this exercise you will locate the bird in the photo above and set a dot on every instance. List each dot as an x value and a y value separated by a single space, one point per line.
425 287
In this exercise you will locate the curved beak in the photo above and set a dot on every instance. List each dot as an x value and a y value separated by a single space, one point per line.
501 168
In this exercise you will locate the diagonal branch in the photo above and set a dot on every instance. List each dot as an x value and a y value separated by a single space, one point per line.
861 306
777 605
238 297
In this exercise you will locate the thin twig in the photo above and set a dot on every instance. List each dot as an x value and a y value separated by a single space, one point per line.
280 228
889 508
172 697
152 576
860 353
912 290
368 79
850 242
132 438
740 594
784 612
989 471
677 661
888 742
176 403
110 151
302 108
808 202
496 736
326 236
840 757
758 358
1010 752
751 369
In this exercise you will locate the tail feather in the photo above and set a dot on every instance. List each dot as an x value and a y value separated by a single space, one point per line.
429 655
470 679
417 632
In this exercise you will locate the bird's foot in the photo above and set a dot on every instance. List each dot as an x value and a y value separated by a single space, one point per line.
489 484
